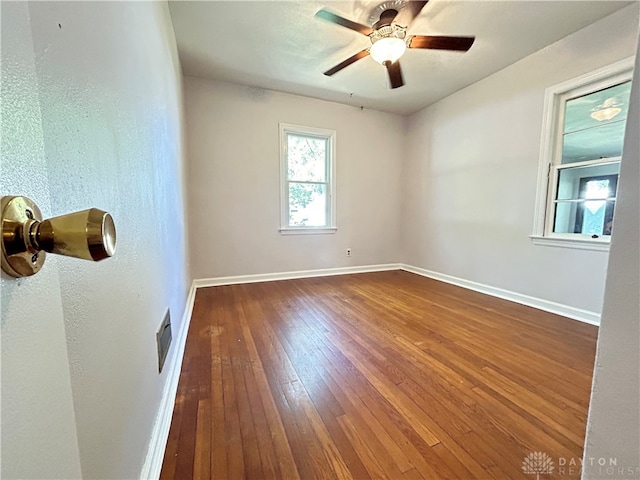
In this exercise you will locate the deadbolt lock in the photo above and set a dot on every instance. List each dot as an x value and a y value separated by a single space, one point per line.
89 234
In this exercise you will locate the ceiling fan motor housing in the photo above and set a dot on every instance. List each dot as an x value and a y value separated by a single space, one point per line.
388 31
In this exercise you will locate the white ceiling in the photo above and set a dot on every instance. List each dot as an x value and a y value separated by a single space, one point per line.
279 45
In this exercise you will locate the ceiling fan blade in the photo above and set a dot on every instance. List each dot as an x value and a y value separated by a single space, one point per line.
395 74
347 62
441 43
338 20
414 9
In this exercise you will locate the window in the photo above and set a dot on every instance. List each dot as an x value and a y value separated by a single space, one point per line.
583 135
307 165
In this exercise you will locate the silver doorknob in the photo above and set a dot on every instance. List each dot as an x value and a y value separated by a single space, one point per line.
89 234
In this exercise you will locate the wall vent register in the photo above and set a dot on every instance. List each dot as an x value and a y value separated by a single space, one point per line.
163 339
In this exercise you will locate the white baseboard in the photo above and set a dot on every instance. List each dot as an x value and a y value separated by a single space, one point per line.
545 305
155 454
269 277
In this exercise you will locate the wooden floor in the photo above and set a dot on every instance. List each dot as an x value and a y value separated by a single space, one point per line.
377 375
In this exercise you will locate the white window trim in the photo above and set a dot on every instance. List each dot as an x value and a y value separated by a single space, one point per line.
330 135
549 146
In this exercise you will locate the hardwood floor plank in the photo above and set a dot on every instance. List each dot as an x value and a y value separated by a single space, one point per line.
366 451
202 454
235 457
320 450
528 428
405 406
219 468
567 425
357 396
295 429
379 375
276 452
168 470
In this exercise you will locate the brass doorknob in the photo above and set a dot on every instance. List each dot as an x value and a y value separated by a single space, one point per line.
89 234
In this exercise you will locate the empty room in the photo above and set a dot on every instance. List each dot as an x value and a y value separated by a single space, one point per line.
320 239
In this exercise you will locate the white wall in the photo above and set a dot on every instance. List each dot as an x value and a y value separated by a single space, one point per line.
109 95
471 169
234 210
613 428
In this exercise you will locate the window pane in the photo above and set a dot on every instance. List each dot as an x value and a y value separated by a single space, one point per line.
594 124
307 204
586 202
306 158
578 111
587 218
570 178
601 142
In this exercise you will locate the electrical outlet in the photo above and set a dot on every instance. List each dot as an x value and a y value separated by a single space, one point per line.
348 252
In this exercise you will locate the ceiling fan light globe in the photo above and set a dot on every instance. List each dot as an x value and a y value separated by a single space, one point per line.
387 50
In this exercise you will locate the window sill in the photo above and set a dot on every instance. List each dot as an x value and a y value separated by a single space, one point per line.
600 245
307 231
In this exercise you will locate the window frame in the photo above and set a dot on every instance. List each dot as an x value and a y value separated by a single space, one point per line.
330 137
549 165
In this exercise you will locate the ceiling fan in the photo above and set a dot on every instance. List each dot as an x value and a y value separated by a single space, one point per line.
389 40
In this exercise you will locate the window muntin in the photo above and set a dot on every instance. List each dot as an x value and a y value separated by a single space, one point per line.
307 165
584 147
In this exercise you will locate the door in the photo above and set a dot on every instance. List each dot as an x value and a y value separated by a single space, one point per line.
39 437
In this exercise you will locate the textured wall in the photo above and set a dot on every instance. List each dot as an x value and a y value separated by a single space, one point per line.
109 93
613 429
38 423
234 175
471 168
